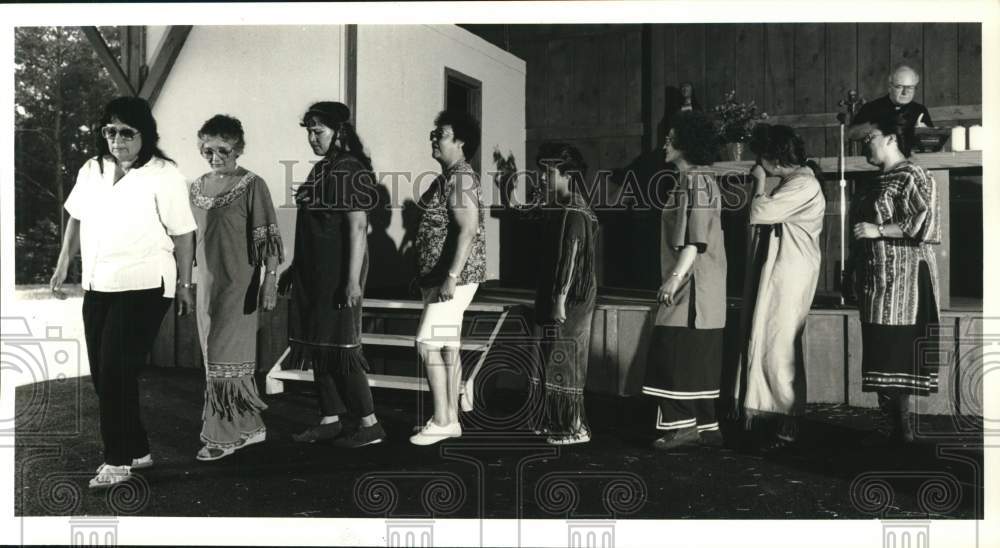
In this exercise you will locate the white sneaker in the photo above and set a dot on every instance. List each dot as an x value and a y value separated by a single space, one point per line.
432 433
108 475
137 464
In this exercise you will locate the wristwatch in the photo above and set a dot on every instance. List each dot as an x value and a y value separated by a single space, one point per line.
451 275
881 231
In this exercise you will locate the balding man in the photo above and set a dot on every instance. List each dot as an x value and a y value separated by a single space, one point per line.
902 87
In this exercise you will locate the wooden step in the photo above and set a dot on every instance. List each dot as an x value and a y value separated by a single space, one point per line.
383 339
377 381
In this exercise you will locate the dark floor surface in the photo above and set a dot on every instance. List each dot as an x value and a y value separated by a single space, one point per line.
493 471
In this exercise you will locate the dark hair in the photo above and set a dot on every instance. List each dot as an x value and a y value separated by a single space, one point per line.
227 127
466 129
781 145
135 112
337 121
901 128
695 136
566 159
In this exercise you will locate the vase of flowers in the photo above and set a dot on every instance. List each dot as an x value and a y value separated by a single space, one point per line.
735 121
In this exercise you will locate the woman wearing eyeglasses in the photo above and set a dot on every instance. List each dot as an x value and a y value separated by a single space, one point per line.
895 224
685 351
239 239
131 222
451 255
327 277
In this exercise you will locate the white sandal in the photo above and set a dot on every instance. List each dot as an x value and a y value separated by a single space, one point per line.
108 475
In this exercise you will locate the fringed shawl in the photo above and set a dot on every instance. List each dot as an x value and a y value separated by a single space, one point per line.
263 237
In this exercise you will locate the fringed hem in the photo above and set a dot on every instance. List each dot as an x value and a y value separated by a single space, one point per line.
266 243
564 411
324 359
227 397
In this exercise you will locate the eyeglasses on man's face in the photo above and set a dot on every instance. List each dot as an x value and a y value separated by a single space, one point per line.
126 133
903 89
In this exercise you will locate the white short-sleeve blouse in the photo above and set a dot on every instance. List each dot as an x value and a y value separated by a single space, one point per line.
126 227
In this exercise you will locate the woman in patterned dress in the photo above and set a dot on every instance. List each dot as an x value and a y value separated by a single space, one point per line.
451 252
239 238
895 223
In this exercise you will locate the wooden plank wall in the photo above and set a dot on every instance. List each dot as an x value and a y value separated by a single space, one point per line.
602 88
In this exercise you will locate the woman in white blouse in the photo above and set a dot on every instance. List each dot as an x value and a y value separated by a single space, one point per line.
132 224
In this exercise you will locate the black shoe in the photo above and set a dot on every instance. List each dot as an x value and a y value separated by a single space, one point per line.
677 438
360 437
711 438
319 433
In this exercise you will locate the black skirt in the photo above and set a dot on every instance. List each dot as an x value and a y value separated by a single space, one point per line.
903 358
683 362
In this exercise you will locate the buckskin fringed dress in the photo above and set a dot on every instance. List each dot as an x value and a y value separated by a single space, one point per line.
898 283
323 332
569 239
238 232
782 274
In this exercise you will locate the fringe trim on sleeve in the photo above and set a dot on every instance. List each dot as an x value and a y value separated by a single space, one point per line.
265 243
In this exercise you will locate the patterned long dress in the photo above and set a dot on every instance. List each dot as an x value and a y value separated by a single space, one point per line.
898 282
237 233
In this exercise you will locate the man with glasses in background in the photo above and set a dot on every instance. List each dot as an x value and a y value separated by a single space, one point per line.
902 88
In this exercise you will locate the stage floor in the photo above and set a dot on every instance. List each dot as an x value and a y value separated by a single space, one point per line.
489 473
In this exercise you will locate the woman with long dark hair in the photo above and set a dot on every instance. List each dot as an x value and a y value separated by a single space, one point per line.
131 222
783 270
327 277
895 224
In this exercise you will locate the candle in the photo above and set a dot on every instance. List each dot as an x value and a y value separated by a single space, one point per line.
976 137
958 138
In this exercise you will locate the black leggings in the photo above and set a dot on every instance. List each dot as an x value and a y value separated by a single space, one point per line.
120 328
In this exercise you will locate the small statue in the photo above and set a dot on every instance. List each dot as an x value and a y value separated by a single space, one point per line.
852 104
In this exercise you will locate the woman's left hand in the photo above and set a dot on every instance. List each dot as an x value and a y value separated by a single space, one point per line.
270 294
668 290
866 230
447 290
184 299
353 295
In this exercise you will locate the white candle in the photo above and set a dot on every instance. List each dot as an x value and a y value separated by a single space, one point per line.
976 137
958 138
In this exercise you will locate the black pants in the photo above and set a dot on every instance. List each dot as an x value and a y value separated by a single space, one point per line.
120 328
343 385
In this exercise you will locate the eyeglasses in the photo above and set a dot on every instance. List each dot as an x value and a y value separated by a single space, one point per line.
126 133
869 138
438 134
898 87
223 153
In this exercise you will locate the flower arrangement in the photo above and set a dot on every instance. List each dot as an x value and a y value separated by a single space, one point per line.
735 120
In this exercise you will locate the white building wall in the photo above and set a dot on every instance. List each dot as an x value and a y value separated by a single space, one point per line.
401 86
264 75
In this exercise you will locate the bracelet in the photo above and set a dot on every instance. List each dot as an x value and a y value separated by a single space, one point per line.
454 276
674 275
272 272
185 285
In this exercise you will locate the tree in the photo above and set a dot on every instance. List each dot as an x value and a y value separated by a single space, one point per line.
59 88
